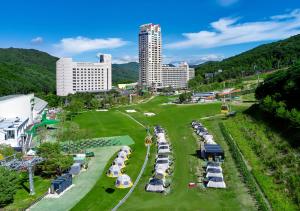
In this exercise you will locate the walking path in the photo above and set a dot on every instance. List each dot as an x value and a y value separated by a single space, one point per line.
83 183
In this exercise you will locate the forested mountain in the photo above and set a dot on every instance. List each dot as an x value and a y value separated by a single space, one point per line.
30 70
275 55
26 70
125 73
280 95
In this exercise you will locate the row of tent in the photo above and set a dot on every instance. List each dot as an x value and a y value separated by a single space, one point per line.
210 149
214 175
117 168
163 163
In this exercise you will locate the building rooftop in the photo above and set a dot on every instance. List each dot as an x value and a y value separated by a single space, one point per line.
7 97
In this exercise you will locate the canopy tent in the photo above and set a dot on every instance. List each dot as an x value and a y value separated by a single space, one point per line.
123 155
155 185
123 181
126 149
212 151
119 162
216 182
214 170
114 171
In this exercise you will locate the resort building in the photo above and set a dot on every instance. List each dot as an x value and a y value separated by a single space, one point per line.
17 113
150 54
72 77
176 77
151 71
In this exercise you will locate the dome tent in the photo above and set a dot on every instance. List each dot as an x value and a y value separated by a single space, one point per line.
123 155
114 171
119 162
126 149
123 181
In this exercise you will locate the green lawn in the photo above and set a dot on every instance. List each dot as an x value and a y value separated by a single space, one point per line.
104 196
176 119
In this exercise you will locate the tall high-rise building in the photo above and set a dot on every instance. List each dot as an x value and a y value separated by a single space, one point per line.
150 44
72 77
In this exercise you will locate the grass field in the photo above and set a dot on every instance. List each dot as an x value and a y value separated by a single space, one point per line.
176 120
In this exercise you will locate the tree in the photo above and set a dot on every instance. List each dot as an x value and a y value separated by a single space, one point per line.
185 97
6 150
9 183
55 162
95 103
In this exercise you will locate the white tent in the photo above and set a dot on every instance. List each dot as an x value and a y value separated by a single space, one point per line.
123 155
160 173
119 162
214 167
123 181
210 174
155 185
126 149
114 171
31 153
216 182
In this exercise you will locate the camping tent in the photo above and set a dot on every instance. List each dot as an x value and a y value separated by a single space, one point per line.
114 171
160 173
214 167
213 174
126 149
155 185
119 162
123 155
123 181
216 182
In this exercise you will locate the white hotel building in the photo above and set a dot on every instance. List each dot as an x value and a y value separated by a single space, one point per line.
177 77
72 77
150 55
152 73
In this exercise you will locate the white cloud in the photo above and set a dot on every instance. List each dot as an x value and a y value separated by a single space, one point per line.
226 3
37 40
125 59
193 59
227 31
81 44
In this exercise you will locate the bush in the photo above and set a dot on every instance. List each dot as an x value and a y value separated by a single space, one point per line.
8 186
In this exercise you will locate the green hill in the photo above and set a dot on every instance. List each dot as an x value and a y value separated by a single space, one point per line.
270 56
26 70
30 70
125 73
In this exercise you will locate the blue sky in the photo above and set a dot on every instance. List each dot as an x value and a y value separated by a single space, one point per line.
193 30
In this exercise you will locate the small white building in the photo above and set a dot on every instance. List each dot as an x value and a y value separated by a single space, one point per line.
17 112
72 77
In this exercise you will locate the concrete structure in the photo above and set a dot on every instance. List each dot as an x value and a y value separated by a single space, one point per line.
176 77
150 53
191 73
17 112
72 77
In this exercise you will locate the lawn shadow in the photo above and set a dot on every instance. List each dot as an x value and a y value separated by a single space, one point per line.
109 190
